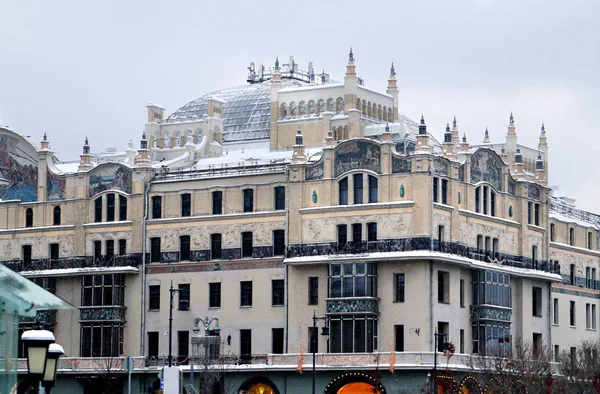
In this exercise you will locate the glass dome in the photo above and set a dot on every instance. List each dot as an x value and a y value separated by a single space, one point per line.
246 109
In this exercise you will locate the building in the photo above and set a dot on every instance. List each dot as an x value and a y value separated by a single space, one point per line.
293 196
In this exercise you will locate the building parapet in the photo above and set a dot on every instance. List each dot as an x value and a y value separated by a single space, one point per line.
223 170
77 262
565 212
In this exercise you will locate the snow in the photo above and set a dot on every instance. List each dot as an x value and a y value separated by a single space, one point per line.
339 116
181 160
374 91
80 271
312 87
67 167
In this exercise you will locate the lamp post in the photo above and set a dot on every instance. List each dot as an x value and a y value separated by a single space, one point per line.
54 353
436 335
206 341
183 304
313 343
37 342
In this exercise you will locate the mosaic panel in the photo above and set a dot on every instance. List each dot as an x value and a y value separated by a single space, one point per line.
490 313
533 192
110 177
55 187
102 313
485 166
401 164
440 166
18 169
355 155
314 171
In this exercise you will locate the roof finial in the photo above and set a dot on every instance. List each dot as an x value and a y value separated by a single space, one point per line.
487 135
512 120
422 127
276 62
46 138
392 70
464 137
144 134
454 122
447 127
422 119
351 55
86 141
543 128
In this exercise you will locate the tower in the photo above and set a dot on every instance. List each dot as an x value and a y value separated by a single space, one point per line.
275 110
455 134
350 84
392 90
44 155
85 159
448 146
511 140
464 145
543 146
143 157
422 138
299 154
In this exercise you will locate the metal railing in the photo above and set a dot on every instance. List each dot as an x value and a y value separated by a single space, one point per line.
128 260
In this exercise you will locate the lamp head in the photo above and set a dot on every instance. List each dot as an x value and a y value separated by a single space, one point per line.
217 329
37 342
325 330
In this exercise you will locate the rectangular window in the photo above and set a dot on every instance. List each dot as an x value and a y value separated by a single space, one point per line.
217 202
186 204
443 331
153 344
534 254
278 242
184 248
215 246
594 278
477 199
154 297
313 290
556 353
493 204
110 207
357 232
110 249
156 207
485 200
572 236
54 253
555 311
279 197
480 244
97 250
435 189
594 317
572 314
343 191
183 346
245 345
342 231
277 292
588 316
248 200
529 212
122 208
444 191
277 341
536 214
184 295
122 247
462 293
441 234
358 188
462 342
587 277
373 189
495 247
552 232
97 210
536 301
214 295
443 287
536 344
399 338
247 244
246 293
155 254
371 232
26 253
399 287
572 275
589 241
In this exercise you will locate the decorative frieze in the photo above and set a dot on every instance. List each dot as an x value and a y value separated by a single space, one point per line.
486 312
353 305
102 313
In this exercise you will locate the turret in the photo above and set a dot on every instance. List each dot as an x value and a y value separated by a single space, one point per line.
448 146
350 67
44 156
511 140
156 113
392 90
455 134
543 146
540 172
299 154
464 145
350 85
423 138
518 166
85 159
143 157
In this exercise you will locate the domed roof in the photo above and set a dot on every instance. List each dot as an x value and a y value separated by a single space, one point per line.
246 109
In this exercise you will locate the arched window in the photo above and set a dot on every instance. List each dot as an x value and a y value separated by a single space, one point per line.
390 115
56 216
379 112
282 111
98 210
345 134
167 143
369 109
340 104
29 217
343 191
384 113
320 106
302 108
330 105
364 108
177 138
293 109
374 111
358 102
311 107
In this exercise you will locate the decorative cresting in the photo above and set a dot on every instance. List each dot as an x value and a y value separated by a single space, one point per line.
357 155
354 377
314 171
353 305
534 192
486 166
401 164
46 316
440 165
486 312
109 177
55 186
102 313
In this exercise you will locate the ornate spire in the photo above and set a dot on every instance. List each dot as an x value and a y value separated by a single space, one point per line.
539 163
86 147
392 70
351 56
454 122
518 157
512 120
447 127
543 128
276 62
144 142
299 138
464 140
486 139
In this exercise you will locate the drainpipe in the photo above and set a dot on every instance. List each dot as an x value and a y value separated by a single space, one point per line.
547 239
287 242
431 323
143 302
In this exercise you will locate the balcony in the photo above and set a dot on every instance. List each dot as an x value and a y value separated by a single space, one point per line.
490 313
102 313
128 260
367 305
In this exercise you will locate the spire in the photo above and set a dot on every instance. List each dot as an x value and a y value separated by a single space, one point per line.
539 163
350 67
518 157
512 120
276 62
46 137
299 154
144 141
543 128
45 145
486 139
447 135
511 131
86 147
350 56
299 138
464 140
464 146
454 122
387 135
85 159
392 70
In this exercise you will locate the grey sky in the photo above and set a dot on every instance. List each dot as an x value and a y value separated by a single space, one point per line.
73 68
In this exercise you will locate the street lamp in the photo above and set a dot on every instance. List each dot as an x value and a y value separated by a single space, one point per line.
184 305
313 343
54 353
36 344
206 340
435 352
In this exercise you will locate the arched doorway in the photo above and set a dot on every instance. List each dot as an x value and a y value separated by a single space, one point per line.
355 383
258 385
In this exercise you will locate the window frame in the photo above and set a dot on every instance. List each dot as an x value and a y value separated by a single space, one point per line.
277 292
186 204
245 293
56 216
214 294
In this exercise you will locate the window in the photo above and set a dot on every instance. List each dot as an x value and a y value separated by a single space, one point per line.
214 295
110 207
246 293
352 280
122 247
248 200
594 317
122 208
573 357
184 295
153 344
443 328
552 232
247 244
572 275
313 290
443 287
277 341
156 207
480 244
343 191
485 200
154 297
529 212
110 249
462 342
594 278
435 189
155 250
357 233
399 287
102 290
537 344
186 204
277 292
441 234
491 288
536 301
29 217
184 248
444 191
98 210
477 198
353 334
492 204
495 247
217 202
588 316
245 345
572 236
97 250
56 216
183 346
555 311
215 246
358 188
342 231
373 189
588 282
534 255
589 240
371 232
279 197
536 214
462 293
54 255
572 313
101 340
556 353
26 253
399 338
313 340
278 242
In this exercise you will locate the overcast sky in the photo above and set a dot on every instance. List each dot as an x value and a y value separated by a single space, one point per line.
76 69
